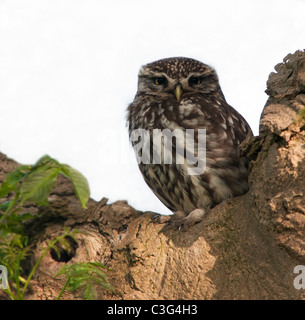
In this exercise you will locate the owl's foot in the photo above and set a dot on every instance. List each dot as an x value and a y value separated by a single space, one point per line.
159 218
181 221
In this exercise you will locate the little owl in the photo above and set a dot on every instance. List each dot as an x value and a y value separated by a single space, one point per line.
182 93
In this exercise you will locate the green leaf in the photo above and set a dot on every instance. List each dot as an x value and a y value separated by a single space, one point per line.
28 215
38 184
11 181
17 175
103 283
77 282
5 189
89 291
95 264
86 275
25 167
11 224
63 270
46 161
80 183
4 206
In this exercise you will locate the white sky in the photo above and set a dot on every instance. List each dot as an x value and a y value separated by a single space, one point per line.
68 70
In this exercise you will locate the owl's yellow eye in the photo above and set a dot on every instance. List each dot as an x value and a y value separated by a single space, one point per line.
159 81
195 80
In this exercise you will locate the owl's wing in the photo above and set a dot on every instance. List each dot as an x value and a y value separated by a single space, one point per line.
218 118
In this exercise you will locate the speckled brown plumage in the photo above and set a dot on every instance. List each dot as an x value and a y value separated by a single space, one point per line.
198 103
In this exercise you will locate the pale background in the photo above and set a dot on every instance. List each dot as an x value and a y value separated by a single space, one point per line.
68 70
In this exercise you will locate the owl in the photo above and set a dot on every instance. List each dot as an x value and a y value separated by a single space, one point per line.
183 96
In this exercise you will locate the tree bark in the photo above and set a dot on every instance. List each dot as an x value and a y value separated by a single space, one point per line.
245 248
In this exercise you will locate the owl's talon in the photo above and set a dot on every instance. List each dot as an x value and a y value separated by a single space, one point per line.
167 225
184 223
155 217
158 218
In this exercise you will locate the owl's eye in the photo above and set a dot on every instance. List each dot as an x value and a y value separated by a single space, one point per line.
159 81
193 81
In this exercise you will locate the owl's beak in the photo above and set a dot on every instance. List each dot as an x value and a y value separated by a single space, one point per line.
178 92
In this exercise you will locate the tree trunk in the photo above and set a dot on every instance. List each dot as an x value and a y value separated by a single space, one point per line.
245 248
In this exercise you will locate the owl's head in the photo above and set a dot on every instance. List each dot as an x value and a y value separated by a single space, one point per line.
177 77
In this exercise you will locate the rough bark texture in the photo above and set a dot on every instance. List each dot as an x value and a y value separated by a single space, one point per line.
245 248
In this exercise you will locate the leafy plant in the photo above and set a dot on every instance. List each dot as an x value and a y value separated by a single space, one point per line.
13 251
86 276
33 183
